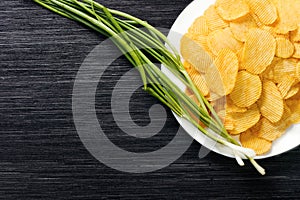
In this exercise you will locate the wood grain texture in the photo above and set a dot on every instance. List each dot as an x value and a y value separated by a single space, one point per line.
41 155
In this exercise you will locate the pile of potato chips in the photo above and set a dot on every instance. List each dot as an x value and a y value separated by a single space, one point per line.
247 52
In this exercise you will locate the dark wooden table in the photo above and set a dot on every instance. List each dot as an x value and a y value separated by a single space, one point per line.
41 155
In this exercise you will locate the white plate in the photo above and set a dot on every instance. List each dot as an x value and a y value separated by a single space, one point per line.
288 141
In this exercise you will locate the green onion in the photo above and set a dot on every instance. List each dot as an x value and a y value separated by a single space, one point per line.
143 45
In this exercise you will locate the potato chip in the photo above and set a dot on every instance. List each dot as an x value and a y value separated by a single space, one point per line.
264 10
214 21
231 107
202 41
240 27
222 75
297 71
259 145
269 71
268 130
284 48
293 91
271 102
195 54
257 21
244 121
287 20
231 9
199 81
285 85
259 50
295 35
283 68
221 39
199 27
227 120
247 89
294 105
187 66
297 50
212 97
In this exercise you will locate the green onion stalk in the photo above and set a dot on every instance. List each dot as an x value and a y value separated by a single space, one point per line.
143 45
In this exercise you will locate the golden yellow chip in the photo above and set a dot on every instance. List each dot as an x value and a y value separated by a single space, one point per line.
221 76
269 71
257 21
297 50
187 66
276 35
285 85
285 67
259 145
199 27
244 121
287 15
247 89
285 48
297 71
231 9
259 50
294 105
195 54
295 35
240 27
226 119
199 81
221 39
293 91
268 130
214 21
202 41
231 107
213 97
264 10
271 102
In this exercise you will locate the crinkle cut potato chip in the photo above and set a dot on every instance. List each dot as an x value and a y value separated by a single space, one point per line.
214 21
230 107
199 81
288 15
285 85
259 145
195 54
264 10
293 91
221 39
271 102
247 89
268 131
284 48
199 27
232 9
259 50
297 72
294 105
297 50
295 35
283 68
250 73
221 76
240 27
244 121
